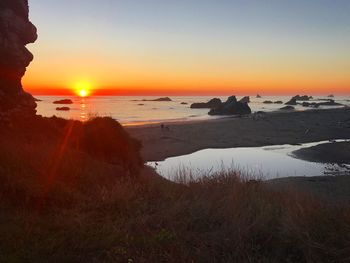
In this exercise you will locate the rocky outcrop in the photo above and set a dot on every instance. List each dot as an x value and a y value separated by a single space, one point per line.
287 108
330 102
63 109
258 96
160 99
309 104
213 103
231 107
302 98
16 31
65 101
268 102
245 99
292 102
278 102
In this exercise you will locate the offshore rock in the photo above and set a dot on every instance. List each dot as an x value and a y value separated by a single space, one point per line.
213 103
245 99
231 107
16 31
64 101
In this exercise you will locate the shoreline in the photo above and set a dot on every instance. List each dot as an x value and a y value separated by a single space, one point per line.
186 120
273 128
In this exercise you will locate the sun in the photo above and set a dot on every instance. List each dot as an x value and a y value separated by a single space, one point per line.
82 89
83 93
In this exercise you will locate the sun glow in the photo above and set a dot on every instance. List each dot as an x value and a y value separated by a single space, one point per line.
82 89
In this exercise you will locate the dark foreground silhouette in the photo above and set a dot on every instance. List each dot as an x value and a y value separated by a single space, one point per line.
74 192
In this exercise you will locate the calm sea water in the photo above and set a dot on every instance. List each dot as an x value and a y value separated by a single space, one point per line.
134 111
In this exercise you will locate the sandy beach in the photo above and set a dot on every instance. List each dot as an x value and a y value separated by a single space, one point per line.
266 129
269 129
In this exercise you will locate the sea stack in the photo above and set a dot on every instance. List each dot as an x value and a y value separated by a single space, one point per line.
16 31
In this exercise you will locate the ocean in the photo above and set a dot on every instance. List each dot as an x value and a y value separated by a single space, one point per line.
132 110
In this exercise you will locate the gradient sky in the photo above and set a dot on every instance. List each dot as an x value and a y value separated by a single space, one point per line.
181 46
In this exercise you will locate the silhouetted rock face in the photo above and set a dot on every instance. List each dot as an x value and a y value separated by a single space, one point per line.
231 107
302 98
159 99
65 101
245 99
16 31
292 102
268 102
63 109
287 108
213 103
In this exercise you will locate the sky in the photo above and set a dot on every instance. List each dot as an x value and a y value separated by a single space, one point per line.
132 47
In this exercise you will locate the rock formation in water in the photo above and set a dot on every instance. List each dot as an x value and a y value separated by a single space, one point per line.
159 99
64 101
287 108
303 98
231 107
63 109
292 102
268 102
213 103
245 99
16 31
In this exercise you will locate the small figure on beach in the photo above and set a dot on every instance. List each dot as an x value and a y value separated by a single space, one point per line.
164 127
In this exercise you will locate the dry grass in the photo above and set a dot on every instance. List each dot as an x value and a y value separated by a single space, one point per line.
83 209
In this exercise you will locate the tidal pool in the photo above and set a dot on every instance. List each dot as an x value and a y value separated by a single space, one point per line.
258 162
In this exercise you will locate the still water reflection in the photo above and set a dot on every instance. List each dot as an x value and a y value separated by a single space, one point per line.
262 162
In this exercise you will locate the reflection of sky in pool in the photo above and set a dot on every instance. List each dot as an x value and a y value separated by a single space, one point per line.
269 162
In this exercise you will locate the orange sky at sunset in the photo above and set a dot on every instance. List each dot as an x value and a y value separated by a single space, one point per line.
164 49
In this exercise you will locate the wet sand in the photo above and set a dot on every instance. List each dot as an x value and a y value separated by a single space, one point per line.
253 131
326 153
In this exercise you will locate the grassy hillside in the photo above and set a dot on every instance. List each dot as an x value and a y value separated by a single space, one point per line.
67 195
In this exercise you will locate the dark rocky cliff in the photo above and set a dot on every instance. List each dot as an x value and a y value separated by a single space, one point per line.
16 31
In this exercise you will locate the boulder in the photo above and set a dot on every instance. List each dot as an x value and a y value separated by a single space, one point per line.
245 99
329 103
231 107
309 104
293 102
65 101
287 108
213 103
159 99
16 31
184 103
63 109
278 102
268 102
302 98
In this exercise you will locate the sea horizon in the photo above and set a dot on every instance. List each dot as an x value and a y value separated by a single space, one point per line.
133 110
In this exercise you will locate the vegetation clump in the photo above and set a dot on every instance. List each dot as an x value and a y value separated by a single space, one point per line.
64 199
